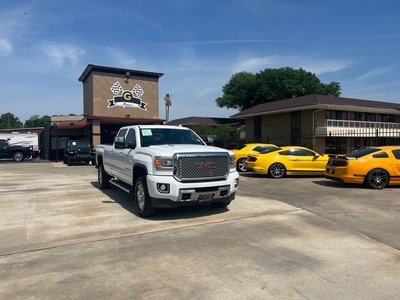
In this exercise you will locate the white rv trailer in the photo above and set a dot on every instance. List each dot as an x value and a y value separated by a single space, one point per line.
22 139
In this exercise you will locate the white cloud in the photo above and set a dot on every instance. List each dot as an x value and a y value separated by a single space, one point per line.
314 65
61 53
5 47
377 72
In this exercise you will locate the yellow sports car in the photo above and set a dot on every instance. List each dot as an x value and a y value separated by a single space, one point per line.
289 160
242 153
375 167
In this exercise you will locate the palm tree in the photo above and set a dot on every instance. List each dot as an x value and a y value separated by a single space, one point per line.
168 103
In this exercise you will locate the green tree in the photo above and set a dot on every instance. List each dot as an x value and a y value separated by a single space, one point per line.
223 135
8 120
37 121
245 90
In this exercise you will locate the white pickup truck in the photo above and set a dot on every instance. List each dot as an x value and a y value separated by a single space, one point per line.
167 166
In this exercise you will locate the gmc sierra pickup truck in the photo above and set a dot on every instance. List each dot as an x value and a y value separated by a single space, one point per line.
17 152
167 166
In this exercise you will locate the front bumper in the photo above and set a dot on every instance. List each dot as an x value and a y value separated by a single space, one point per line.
186 193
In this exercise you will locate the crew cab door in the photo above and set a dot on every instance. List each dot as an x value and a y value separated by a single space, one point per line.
116 158
127 156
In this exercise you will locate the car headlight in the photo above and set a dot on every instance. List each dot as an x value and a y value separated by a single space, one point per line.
163 163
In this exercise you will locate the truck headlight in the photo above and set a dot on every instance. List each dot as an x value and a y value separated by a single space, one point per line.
163 163
232 164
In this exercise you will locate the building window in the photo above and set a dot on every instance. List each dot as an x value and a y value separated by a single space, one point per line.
387 118
336 115
356 116
257 129
370 117
295 132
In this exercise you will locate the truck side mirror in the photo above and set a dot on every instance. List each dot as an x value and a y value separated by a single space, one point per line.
131 145
119 142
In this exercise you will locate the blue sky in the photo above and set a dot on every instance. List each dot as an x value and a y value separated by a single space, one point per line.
198 45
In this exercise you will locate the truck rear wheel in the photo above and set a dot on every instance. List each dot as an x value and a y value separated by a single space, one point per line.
142 198
18 156
103 178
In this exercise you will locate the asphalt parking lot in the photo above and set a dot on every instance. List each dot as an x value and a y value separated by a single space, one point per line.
292 238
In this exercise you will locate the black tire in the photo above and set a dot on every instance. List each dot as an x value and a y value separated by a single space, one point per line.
65 160
93 162
103 178
240 166
377 179
69 161
277 170
18 156
142 198
221 204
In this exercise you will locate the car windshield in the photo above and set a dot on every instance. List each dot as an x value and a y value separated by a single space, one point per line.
163 136
362 152
261 149
80 144
272 149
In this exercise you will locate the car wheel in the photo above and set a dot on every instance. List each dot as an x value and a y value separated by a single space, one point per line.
65 160
103 178
240 166
377 179
142 198
18 156
277 171
221 204
69 161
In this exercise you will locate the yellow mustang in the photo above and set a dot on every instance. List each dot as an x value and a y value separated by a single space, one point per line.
375 167
289 160
242 153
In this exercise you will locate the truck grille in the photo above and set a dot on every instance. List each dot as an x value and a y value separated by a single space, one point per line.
200 166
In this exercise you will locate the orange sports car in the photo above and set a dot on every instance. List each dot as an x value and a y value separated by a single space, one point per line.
375 167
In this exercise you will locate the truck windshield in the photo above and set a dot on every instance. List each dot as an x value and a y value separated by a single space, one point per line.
163 136
80 144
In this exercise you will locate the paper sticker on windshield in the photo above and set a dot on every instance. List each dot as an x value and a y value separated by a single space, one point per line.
146 132
73 143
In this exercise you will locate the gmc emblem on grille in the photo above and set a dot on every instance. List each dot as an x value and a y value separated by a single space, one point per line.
207 165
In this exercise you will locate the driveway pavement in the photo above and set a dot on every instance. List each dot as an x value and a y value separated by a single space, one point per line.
63 238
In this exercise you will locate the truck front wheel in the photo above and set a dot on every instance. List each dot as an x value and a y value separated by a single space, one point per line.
18 156
103 178
142 198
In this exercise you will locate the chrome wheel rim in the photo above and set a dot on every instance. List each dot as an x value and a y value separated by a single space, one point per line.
277 171
241 165
140 197
378 179
18 156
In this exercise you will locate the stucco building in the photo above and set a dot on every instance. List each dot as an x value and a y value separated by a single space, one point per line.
112 98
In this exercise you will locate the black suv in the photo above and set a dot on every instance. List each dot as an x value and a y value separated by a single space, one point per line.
79 150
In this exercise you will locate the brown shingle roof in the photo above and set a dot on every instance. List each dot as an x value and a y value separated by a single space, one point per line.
315 101
104 69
